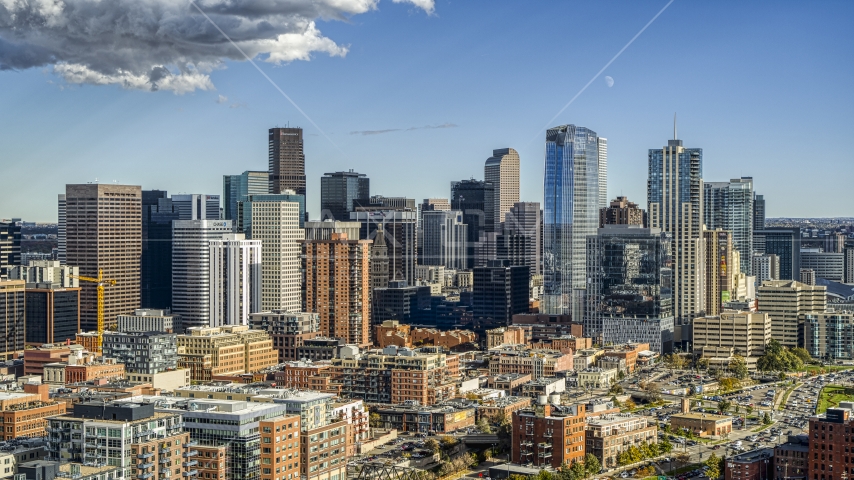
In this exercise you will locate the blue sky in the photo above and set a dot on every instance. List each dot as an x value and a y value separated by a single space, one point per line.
765 88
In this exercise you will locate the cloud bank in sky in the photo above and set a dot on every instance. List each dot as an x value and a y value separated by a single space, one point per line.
166 44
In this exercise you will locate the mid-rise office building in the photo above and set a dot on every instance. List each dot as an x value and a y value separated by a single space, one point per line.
143 352
720 267
338 190
766 267
147 320
196 206
848 263
675 199
807 276
191 269
826 265
476 199
829 335
786 302
445 239
12 318
571 214
785 243
235 281
228 350
397 301
60 229
758 212
548 435
244 209
630 291
729 206
237 188
287 161
622 212
10 247
289 330
521 240
399 230
733 333
336 285
110 217
46 272
323 230
502 171
52 313
158 212
276 223
500 291
24 413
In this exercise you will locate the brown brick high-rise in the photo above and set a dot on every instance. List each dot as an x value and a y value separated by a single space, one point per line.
287 160
549 435
104 231
336 285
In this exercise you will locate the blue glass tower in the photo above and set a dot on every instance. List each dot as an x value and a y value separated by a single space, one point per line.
570 214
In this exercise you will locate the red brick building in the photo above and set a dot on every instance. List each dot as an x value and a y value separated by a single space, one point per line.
753 465
549 435
831 445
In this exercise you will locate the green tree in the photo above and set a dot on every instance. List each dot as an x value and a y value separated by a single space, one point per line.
724 406
715 464
577 470
484 426
374 420
702 363
738 367
664 446
802 354
766 419
616 389
432 445
748 409
592 466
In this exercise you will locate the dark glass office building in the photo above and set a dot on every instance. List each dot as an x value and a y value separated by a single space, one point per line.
786 244
476 199
500 290
158 211
286 161
53 314
630 287
337 192
10 247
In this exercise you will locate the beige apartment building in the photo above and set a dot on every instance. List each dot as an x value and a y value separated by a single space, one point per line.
227 350
720 269
720 337
607 436
786 301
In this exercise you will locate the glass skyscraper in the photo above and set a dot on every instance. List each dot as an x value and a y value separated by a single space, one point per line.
236 188
338 190
729 206
570 214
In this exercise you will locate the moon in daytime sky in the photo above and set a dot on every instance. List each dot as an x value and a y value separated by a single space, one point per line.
609 81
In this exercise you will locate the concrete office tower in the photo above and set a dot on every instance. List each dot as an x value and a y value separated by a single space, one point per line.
315 230
786 301
10 247
622 212
827 335
766 267
338 190
445 237
571 214
502 171
783 242
237 188
158 211
808 276
826 265
721 261
276 224
476 200
603 173
520 241
500 291
758 212
191 269
287 160
400 238
379 261
848 263
336 285
196 206
675 199
244 209
729 206
746 333
12 318
104 233
235 279
429 205
60 229
379 202
630 296
146 320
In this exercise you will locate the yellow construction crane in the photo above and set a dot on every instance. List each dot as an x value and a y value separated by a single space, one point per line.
102 282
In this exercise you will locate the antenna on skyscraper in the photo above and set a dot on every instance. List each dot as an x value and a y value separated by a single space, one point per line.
674 126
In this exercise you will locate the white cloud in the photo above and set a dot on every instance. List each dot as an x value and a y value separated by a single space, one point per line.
222 99
166 44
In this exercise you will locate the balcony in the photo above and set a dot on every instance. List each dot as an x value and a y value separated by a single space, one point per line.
191 473
164 451
191 453
143 476
164 461
91 445
165 471
191 463
145 466
143 433
143 456
191 443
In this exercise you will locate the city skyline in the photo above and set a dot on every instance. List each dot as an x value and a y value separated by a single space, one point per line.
437 124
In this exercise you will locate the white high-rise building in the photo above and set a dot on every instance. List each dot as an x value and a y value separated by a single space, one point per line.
502 171
276 223
766 267
196 206
235 279
191 268
675 199
444 239
603 172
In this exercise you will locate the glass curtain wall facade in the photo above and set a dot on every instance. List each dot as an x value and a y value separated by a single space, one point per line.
729 206
570 215
337 192
237 188
630 294
785 243
158 211
476 200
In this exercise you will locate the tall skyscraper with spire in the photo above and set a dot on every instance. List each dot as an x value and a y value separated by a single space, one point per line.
675 199
570 215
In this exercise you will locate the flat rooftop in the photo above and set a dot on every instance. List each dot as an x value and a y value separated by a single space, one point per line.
700 416
611 419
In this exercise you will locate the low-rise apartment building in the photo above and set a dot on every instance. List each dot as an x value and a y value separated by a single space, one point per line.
548 435
521 359
610 435
411 417
228 350
25 414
